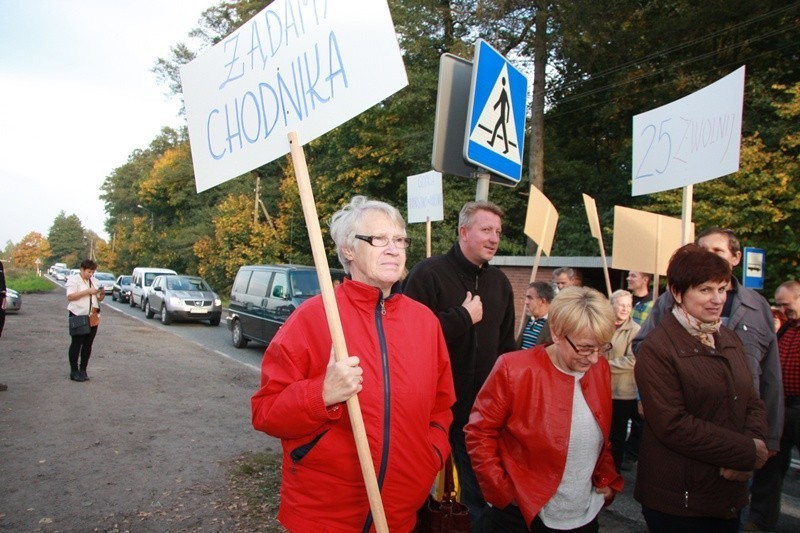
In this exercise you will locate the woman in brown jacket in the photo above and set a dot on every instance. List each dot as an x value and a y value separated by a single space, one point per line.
704 423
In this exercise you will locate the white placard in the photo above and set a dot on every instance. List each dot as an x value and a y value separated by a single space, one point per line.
299 65
691 140
425 198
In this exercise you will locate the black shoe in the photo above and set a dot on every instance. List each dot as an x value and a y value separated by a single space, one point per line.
84 375
3 387
76 375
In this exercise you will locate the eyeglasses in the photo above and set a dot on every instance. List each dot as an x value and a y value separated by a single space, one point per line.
381 241
586 351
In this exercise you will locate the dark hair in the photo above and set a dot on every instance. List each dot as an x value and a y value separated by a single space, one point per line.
88 264
543 290
733 241
691 265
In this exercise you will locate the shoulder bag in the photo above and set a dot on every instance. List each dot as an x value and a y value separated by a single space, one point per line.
446 516
79 325
94 316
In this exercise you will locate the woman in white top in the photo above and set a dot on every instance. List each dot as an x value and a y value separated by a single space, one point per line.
84 293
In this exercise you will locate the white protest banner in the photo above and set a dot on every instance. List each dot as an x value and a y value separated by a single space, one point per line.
691 140
425 199
301 66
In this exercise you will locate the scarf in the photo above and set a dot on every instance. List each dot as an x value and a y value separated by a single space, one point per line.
703 331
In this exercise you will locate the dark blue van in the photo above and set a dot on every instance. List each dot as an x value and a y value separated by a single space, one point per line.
263 297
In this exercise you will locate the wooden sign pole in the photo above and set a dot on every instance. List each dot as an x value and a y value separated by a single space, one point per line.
335 326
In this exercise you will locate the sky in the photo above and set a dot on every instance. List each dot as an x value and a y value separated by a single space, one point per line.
77 97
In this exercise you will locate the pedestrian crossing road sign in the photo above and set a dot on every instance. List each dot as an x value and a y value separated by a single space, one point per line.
495 136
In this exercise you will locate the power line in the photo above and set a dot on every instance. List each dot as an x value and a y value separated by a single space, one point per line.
682 46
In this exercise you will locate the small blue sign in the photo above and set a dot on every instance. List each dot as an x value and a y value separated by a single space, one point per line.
495 136
753 268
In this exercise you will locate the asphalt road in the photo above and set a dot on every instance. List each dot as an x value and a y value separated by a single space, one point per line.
623 516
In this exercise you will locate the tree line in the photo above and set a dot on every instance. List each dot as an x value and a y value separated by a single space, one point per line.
602 63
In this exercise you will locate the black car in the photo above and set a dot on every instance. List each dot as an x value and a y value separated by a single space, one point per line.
263 297
121 290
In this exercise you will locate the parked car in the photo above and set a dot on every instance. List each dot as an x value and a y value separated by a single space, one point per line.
186 298
121 290
142 280
106 280
61 274
263 297
56 266
13 301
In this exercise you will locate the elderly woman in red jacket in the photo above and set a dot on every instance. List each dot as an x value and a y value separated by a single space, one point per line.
399 367
538 432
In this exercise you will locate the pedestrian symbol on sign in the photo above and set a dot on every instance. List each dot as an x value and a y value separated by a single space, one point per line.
495 133
496 126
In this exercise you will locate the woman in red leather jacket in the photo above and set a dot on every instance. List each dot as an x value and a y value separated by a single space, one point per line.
538 432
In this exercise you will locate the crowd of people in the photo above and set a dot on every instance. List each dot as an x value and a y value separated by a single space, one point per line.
699 389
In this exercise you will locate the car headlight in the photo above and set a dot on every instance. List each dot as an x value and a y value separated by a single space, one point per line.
174 301
217 302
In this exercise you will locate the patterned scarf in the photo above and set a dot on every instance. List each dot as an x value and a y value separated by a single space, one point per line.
703 331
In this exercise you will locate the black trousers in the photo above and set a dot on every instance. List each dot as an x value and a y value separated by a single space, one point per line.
81 346
621 412
658 522
510 520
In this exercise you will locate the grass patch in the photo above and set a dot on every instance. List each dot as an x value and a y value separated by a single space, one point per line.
27 282
255 479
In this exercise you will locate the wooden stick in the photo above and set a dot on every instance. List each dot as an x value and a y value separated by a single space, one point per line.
427 236
335 326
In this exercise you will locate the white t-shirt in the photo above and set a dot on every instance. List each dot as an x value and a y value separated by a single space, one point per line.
76 283
575 502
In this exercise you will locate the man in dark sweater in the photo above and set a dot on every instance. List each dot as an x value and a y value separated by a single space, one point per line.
475 305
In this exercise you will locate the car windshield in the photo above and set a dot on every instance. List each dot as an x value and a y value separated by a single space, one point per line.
125 280
305 284
105 276
187 284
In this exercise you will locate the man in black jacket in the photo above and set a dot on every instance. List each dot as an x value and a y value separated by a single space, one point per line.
475 305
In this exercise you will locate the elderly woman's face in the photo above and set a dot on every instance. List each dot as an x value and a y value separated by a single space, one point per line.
622 308
705 301
379 266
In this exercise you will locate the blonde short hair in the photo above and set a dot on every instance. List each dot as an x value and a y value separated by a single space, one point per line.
576 309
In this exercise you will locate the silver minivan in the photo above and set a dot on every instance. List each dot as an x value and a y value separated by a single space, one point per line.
142 280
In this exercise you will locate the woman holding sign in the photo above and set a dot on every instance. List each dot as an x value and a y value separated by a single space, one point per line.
398 366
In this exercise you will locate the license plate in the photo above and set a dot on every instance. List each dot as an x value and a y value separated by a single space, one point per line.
198 311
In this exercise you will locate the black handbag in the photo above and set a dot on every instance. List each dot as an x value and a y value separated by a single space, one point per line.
446 516
79 325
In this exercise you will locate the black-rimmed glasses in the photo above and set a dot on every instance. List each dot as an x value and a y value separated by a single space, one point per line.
586 351
381 241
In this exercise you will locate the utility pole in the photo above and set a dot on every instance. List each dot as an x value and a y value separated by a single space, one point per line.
263 207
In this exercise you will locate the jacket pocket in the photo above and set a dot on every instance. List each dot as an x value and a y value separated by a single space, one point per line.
301 451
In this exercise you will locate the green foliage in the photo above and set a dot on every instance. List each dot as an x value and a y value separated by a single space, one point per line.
27 282
605 64
66 237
